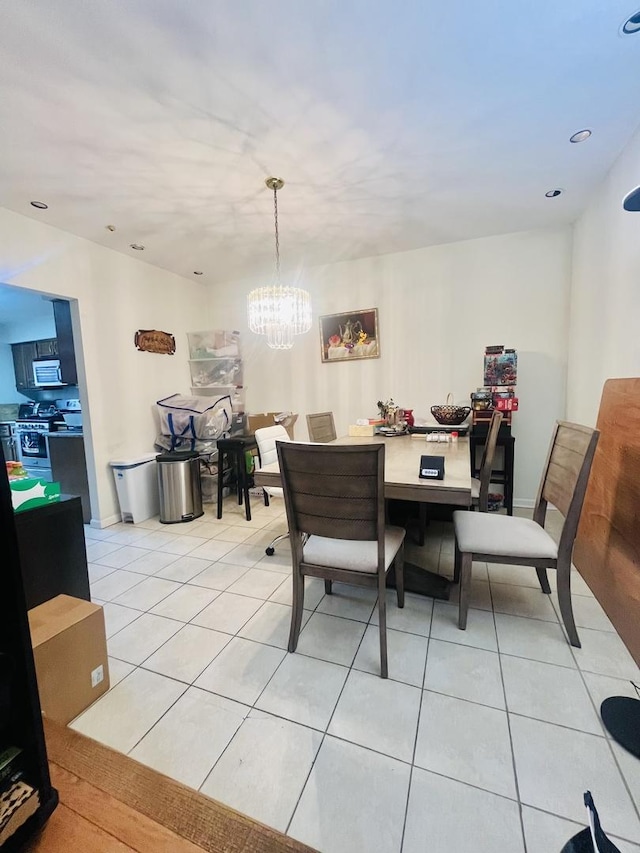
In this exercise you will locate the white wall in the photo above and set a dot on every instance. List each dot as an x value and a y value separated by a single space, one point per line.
8 392
605 293
116 296
36 323
438 308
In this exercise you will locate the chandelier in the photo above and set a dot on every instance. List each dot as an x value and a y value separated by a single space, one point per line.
277 311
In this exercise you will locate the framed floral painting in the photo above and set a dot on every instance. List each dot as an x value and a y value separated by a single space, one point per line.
349 336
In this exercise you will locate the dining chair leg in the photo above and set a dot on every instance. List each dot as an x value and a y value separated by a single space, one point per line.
456 563
398 565
564 599
382 623
465 588
296 611
266 498
544 580
328 587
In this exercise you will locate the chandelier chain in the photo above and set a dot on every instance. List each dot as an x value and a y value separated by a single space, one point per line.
275 216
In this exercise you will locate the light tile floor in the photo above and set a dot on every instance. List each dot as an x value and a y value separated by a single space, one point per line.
482 740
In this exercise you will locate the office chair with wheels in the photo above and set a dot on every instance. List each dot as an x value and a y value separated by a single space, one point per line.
266 440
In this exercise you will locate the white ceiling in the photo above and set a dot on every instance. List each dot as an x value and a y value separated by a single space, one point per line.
394 126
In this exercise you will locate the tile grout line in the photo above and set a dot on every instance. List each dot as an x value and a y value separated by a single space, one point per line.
415 741
326 730
612 752
508 719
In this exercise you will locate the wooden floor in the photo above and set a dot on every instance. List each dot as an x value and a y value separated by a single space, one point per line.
111 804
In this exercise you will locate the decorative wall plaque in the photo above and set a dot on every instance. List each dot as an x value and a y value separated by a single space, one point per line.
151 340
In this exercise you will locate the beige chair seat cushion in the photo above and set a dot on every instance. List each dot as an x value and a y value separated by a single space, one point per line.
502 535
352 554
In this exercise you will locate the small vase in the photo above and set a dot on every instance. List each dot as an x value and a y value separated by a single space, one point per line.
408 417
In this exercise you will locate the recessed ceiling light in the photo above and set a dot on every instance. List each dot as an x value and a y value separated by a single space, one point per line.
580 136
553 193
197 272
631 25
110 227
137 247
40 205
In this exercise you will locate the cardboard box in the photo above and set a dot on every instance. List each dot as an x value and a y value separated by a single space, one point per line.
70 653
267 419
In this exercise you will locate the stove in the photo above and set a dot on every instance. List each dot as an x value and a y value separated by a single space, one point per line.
34 423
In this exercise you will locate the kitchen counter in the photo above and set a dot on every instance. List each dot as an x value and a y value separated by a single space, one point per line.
66 433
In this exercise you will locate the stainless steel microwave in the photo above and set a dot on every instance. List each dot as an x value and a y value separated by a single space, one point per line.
46 372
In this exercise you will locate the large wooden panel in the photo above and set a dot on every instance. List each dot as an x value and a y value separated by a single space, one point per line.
607 548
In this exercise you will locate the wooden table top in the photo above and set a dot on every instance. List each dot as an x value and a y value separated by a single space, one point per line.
110 803
401 466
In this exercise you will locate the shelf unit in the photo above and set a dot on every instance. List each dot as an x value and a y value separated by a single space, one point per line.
20 715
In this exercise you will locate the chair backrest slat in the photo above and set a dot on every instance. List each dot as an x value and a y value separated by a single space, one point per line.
335 491
565 477
321 427
488 455
565 463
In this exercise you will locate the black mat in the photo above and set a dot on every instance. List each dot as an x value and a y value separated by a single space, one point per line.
621 716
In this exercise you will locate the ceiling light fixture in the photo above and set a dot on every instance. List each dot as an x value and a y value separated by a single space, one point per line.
580 135
197 272
553 193
40 205
110 227
631 25
137 246
276 311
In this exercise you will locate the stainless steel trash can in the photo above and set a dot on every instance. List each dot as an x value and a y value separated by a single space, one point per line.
179 486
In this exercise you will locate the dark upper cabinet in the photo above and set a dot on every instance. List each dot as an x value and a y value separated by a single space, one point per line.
47 348
64 335
23 356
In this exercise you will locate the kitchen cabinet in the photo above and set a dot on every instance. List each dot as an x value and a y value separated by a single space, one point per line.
47 348
64 335
20 716
23 356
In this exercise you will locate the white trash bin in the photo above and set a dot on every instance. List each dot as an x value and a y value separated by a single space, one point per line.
137 487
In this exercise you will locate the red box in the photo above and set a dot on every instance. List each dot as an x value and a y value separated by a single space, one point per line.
506 404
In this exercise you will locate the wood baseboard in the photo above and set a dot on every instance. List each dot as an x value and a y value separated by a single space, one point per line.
110 803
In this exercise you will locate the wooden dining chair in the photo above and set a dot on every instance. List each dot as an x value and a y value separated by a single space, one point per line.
508 539
480 485
321 427
334 497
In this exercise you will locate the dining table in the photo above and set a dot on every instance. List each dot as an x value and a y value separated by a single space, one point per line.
402 481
